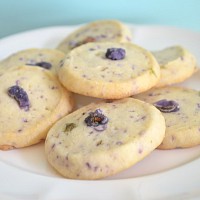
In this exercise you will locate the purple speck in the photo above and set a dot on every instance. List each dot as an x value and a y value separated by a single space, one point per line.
125 131
96 168
119 143
72 43
21 58
88 165
172 138
133 67
31 61
24 120
153 94
99 143
53 146
141 133
98 47
92 49
45 65
119 64
128 38
61 63
198 105
140 150
114 106
143 117
103 36
17 82
54 87
100 127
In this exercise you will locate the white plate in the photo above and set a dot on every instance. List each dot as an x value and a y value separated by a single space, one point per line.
170 174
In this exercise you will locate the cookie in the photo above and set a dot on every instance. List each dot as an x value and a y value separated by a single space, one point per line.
176 65
181 110
109 70
31 101
104 138
98 31
48 59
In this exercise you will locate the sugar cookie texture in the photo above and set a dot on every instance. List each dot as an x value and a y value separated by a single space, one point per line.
98 31
48 59
181 110
31 101
89 71
177 64
102 139
106 137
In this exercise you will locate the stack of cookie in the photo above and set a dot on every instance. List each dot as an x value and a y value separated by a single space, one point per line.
138 113
32 99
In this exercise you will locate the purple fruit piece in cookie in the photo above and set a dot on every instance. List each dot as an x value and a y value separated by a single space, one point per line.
167 106
115 53
20 96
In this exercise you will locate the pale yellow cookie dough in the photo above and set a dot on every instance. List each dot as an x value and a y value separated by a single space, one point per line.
78 151
49 101
98 31
49 58
183 125
176 65
87 71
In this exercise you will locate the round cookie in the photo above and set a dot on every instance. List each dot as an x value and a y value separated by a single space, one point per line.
98 31
181 110
48 59
31 101
109 70
104 138
176 65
